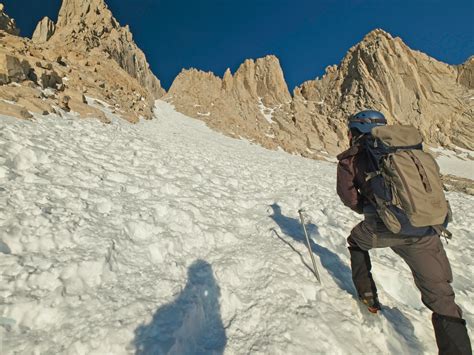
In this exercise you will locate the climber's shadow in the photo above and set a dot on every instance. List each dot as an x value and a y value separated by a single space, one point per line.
340 272
191 324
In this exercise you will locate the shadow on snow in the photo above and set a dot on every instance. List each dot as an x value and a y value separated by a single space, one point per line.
189 325
333 264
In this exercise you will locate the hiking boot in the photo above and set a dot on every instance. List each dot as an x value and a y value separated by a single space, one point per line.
372 303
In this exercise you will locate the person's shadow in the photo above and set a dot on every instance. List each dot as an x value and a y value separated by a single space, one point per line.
333 264
340 272
191 324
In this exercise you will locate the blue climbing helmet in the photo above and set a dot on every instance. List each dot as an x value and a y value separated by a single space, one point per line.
364 121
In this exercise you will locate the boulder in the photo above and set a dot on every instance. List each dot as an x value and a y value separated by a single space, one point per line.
12 69
63 102
51 79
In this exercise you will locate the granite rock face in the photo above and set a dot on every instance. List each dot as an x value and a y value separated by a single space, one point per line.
248 104
90 25
381 72
87 53
44 30
409 87
12 70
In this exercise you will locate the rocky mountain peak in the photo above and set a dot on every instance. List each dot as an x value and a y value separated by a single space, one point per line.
376 35
44 30
189 80
90 26
77 65
381 72
376 48
262 78
86 12
227 80
409 87
7 24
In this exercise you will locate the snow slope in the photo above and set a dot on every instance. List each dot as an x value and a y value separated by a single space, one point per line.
459 163
166 237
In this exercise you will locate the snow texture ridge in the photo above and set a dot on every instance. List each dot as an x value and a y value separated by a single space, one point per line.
165 237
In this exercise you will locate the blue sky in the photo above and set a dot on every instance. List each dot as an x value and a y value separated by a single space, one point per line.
306 35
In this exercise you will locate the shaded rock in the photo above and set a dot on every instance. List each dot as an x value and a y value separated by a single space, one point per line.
63 102
12 69
51 79
47 66
60 61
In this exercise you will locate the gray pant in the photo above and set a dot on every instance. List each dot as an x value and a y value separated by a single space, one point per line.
425 256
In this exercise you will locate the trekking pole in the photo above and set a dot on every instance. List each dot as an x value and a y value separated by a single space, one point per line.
300 212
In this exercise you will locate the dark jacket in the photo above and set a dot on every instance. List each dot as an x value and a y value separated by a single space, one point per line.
352 187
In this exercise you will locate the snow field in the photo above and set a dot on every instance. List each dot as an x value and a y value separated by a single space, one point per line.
460 163
166 237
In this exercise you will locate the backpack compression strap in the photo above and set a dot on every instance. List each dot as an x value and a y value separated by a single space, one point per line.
421 171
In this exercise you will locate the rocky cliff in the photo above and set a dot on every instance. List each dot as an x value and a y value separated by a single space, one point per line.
90 24
380 72
408 86
7 24
87 53
252 103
